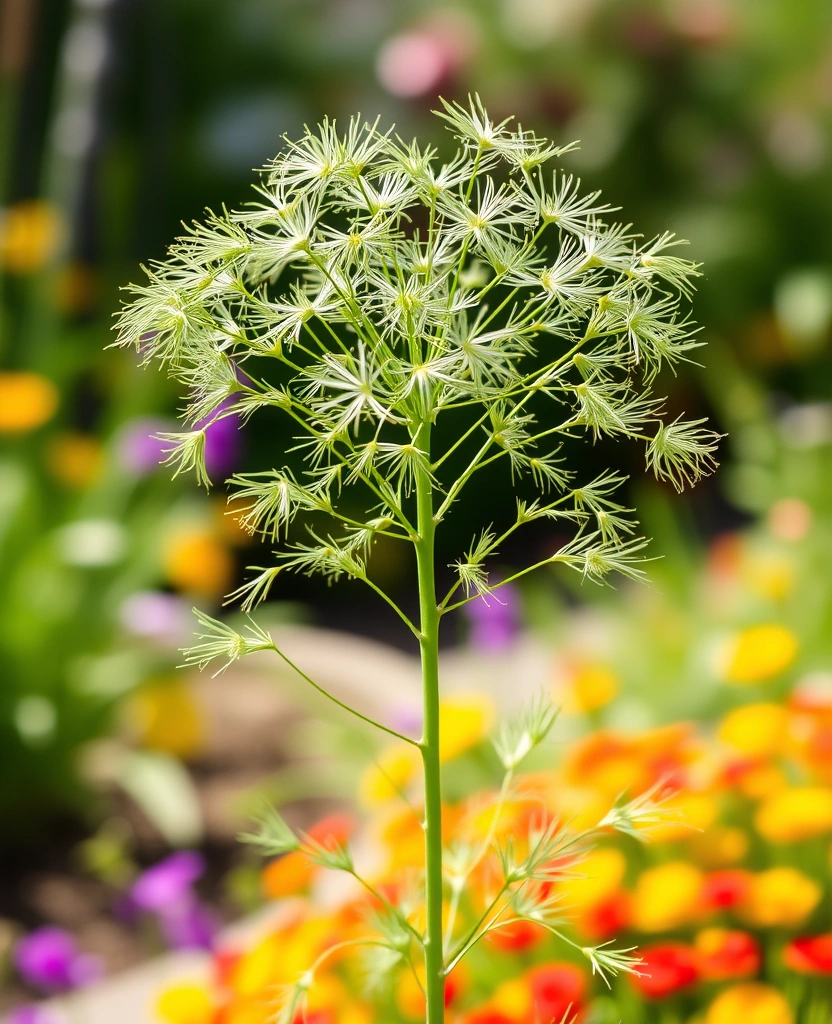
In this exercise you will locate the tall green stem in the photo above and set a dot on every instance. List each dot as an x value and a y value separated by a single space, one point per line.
429 644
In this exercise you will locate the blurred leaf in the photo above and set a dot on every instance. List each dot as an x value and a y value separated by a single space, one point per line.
162 788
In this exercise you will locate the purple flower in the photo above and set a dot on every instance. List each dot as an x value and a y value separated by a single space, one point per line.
166 891
139 448
153 613
189 924
167 882
494 620
32 1014
48 959
408 720
222 440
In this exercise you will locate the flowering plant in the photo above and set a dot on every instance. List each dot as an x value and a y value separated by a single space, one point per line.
727 903
378 293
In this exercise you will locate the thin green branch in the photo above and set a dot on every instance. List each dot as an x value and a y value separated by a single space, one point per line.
344 707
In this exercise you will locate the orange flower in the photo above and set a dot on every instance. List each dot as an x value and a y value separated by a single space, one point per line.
755 779
780 898
488 1015
287 876
402 835
614 762
197 562
27 401
410 998
724 953
75 459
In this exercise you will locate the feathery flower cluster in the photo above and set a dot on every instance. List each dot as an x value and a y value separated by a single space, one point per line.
371 288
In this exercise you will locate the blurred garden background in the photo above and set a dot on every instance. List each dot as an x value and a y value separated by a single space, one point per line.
119 120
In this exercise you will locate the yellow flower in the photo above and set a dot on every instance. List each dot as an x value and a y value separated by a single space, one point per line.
760 652
687 812
27 401
751 1002
326 993
402 836
464 722
771 576
388 776
164 716
758 730
666 897
197 562
719 847
252 1011
582 808
29 235
352 1014
410 998
600 874
186 1004
513 999
780 898
591 687
75 459
258 968
794 814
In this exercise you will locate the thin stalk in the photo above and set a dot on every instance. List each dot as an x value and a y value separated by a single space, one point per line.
429 646
344 707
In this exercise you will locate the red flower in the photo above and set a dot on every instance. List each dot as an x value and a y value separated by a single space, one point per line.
725 953
487 1017
724 889
516 937
811 954
557 990
333 830
224 963
667 967
608 918
455 983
